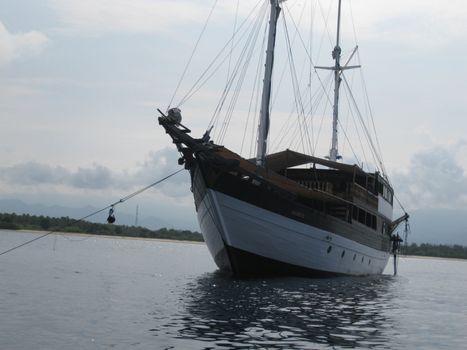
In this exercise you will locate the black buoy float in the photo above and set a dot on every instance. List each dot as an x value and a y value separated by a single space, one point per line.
111 217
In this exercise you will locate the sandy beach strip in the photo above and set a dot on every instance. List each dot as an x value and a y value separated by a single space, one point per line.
76 234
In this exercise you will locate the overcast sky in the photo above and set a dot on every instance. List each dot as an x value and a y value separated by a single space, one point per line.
80 81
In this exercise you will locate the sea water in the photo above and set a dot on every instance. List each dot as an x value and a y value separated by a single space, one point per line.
90 292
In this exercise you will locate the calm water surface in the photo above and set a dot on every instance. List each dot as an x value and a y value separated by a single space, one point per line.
75 292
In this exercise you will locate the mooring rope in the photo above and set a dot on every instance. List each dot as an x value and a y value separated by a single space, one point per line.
121 200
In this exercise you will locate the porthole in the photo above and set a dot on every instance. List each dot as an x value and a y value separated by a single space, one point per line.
329 249
354 257
343 254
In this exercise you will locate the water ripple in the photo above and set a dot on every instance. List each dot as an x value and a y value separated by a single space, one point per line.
290 313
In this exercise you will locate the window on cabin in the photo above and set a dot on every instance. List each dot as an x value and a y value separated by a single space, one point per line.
361 216
365 218
355 213
368 219
386 192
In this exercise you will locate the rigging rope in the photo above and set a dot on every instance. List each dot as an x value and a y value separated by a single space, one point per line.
94 213
193 53
254 98
298 97
326 19
357 132
370 112
202 78
399 202
348 141
233 41
295 83
373 149
240 74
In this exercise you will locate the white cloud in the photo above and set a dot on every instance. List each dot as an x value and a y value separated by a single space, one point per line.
427 24
157 165
129 16
430 23
435 179
16 46
33 173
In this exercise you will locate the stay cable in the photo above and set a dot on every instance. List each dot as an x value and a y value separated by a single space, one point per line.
124 199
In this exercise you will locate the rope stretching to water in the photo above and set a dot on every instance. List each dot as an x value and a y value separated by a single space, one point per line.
124 199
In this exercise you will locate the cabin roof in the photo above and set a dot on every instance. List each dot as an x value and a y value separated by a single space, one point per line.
288 159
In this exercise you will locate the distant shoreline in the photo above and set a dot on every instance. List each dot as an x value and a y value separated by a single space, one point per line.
429 257
78 234
69 226
168 240
12 221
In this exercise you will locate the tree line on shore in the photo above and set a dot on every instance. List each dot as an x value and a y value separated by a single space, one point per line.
66 224
441 250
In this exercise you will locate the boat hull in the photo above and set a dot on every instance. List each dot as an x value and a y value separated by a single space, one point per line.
248 240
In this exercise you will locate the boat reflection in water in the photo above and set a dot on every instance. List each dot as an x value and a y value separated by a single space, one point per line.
289 312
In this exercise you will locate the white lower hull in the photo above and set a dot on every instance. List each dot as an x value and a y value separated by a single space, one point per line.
227 222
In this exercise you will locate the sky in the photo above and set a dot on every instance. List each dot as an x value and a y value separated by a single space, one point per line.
81 81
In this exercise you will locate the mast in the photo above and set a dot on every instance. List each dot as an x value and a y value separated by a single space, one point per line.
338 69
263 128
336 55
